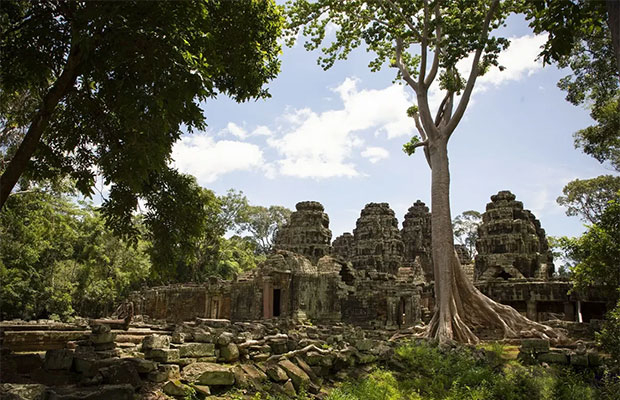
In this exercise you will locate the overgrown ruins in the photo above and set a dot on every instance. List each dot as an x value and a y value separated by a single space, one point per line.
379 276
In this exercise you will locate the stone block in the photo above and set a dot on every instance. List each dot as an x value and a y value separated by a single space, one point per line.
224 338
143 366
155 342
229 353
216 375
535 346
103 392
196 349
176 388
275 373
164 373
579 360
553 357
297 375
102 338
201 390
121 372
58 359
162 355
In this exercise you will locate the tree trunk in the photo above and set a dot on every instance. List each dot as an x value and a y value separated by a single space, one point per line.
613 21
460 308
26 149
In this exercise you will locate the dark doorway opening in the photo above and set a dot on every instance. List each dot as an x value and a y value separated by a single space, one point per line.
276 302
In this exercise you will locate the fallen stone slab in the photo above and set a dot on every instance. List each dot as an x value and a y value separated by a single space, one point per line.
216 375
298 376
162 355
177 388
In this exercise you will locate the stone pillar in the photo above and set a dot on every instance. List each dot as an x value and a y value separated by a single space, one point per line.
569 311
267 299
531 310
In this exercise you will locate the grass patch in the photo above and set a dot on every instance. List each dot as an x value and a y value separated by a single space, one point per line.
433 373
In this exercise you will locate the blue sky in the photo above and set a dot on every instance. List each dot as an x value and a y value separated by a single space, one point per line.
336 137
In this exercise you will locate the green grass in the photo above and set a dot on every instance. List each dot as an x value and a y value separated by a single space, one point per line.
431 373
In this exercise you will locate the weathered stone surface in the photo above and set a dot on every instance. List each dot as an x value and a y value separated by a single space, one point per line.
288 389
216 375
176 388
121 372
201 390
155 342
511 242
229 353
143 366
102 338
378 243
275 373
553 357
100 328
535 346
15 391
254 373
164 372
162 355
307 232
196 349
105 392
416 236
58 359
225 338
297 375
344 246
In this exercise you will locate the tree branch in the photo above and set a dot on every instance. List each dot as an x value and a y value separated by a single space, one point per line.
39 123
424 45
402 67
460 110
416 118
435 67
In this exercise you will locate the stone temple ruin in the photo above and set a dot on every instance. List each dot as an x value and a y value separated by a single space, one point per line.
379 276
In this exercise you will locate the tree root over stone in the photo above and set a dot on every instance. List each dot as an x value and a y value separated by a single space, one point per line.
466 309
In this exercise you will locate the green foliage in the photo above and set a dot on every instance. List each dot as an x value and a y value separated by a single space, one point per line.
579 38
597 252
411 145
258 225
59 259
609 339
465 228
457 374
128 76
588 198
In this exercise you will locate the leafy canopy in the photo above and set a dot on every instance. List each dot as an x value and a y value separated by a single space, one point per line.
589 198
139 73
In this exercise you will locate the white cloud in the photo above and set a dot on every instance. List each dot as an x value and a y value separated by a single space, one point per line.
207 159
320 145
235 130
375 154
261 130
519 61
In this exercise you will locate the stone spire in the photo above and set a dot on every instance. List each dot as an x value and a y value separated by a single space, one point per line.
343 246
307 233
511 242
378 245
416 235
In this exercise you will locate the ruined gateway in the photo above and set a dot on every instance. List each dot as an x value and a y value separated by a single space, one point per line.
379 276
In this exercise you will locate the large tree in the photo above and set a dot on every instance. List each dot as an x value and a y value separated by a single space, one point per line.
105 88
584 36
589 198
443 33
